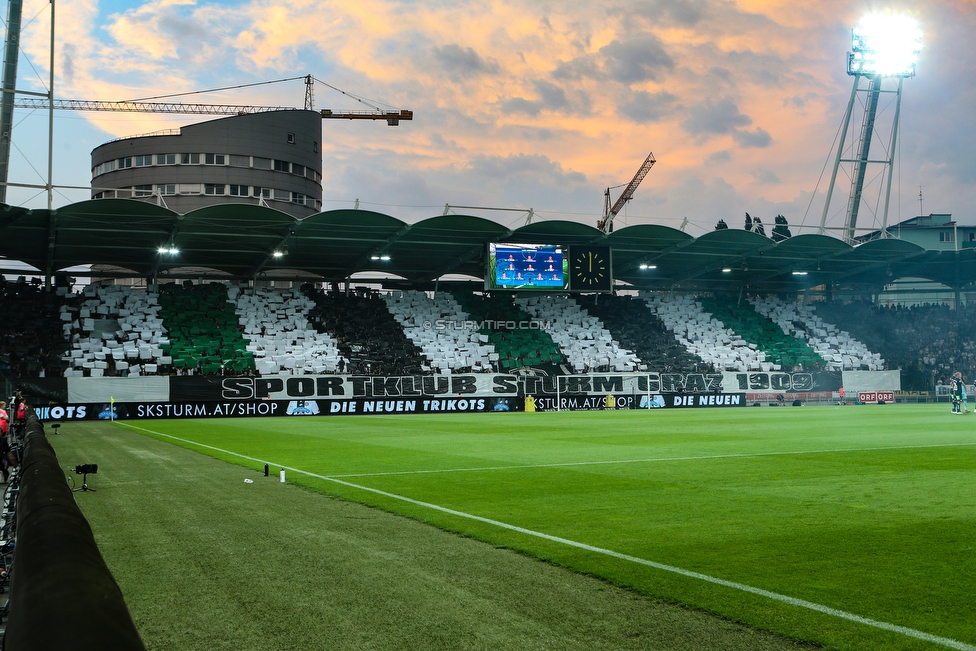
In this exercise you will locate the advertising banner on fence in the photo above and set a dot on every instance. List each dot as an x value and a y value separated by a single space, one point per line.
259 408
624 401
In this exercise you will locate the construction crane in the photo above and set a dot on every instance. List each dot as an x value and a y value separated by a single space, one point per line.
392 117
605 224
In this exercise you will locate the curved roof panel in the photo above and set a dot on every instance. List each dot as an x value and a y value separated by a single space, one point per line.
240 240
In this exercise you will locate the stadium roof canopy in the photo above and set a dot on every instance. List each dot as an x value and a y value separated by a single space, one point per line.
240 240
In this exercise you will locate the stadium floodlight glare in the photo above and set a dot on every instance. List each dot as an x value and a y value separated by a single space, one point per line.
168 250
799 273
726 270
886 45
278 254
648 266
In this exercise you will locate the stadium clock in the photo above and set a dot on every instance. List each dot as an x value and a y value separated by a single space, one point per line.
589 269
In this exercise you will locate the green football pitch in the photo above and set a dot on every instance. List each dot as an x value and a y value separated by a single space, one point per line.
848 527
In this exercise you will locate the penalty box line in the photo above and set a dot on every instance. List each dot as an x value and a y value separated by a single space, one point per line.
742 587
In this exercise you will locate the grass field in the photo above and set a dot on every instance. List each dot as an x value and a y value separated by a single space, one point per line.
851 527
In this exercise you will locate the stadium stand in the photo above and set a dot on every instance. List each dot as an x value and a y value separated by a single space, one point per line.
275 321
704 336
368 336
202 326
516 348
437 326
115 332
586 344
839 350
632 324
32 341
782 351
927 342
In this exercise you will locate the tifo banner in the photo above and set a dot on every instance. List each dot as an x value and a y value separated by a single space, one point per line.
183 389
257 408
777 382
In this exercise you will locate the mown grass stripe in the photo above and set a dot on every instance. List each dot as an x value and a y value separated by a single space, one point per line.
793 601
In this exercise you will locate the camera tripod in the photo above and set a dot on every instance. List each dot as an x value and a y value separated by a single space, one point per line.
84 485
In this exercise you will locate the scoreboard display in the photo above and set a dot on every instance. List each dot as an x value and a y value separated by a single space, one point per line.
527 266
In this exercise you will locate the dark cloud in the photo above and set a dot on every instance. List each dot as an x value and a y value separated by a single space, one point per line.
463 63
680 12
534 166
758 137
723 156
646 107
710 117
551 98
632 61
640 59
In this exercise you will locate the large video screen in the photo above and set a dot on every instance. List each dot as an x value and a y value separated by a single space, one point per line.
527 266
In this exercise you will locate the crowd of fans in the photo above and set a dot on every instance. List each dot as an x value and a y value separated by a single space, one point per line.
927 343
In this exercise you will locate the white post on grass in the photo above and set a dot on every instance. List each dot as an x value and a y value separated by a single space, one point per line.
559 405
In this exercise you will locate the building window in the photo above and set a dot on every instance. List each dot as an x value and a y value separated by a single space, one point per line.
214 159
262 192
166 159
315 146
210 188
298 197
291 138
946 236
125 162
239 161
142 190
189 159
282 195
238 191
282 166
166 188
143 161
189 188
298 169
261 163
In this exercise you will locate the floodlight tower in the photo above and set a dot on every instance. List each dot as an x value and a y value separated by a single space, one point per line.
884 48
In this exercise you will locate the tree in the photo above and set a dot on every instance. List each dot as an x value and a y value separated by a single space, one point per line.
748 222
757 226
721 225
781 231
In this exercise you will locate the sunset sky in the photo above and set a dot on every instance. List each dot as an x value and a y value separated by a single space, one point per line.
526 104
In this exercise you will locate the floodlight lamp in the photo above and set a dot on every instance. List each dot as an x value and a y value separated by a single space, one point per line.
278 254
886 45
385 258
726 270
799 273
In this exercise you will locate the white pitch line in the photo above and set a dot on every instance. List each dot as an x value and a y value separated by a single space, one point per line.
775 596
569 464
